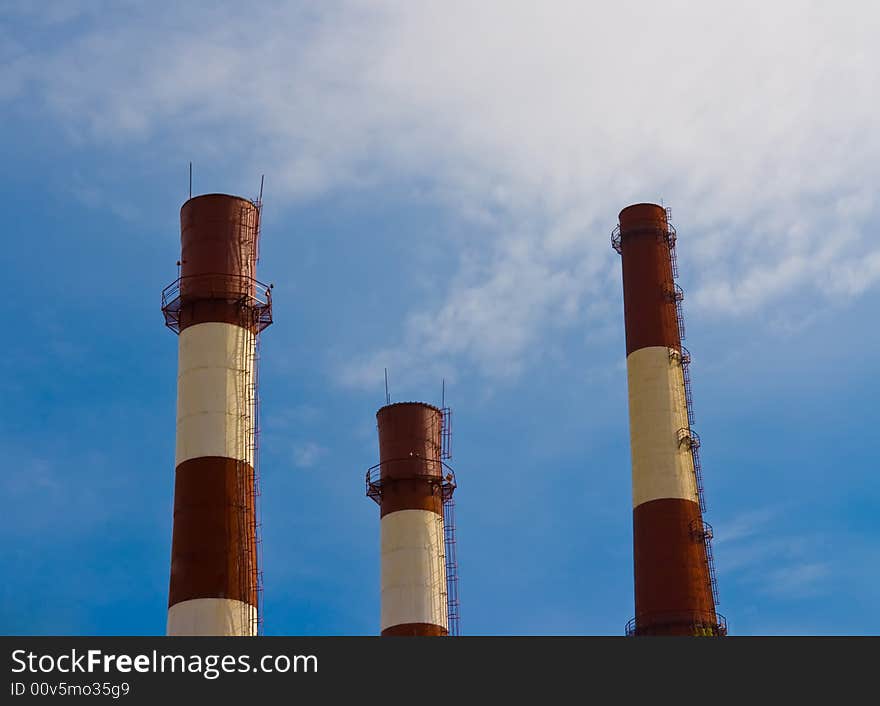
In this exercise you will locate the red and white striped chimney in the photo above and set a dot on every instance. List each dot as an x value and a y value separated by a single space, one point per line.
410 485
218 308
674 576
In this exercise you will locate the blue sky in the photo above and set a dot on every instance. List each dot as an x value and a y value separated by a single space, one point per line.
441 183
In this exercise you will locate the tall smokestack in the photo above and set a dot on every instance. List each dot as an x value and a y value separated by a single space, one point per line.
674 575
218 308
413 487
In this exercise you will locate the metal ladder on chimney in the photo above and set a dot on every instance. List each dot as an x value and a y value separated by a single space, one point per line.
453 605
250 541
686 435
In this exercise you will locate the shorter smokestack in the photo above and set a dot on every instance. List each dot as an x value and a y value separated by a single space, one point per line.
414 487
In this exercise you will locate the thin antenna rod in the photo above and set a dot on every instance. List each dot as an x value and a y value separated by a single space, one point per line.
443 395
190 179
260 199
387 394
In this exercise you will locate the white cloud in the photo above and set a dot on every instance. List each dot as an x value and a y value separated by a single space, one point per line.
753 551
306 454
755 121
747 524
801 580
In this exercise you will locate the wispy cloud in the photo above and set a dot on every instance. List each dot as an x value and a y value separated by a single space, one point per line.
286 419
800 580
43 484
783 564
755 121
747 524
306 454
95 197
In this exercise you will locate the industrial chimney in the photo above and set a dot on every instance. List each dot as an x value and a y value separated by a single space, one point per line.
675 591
413 486
218 308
